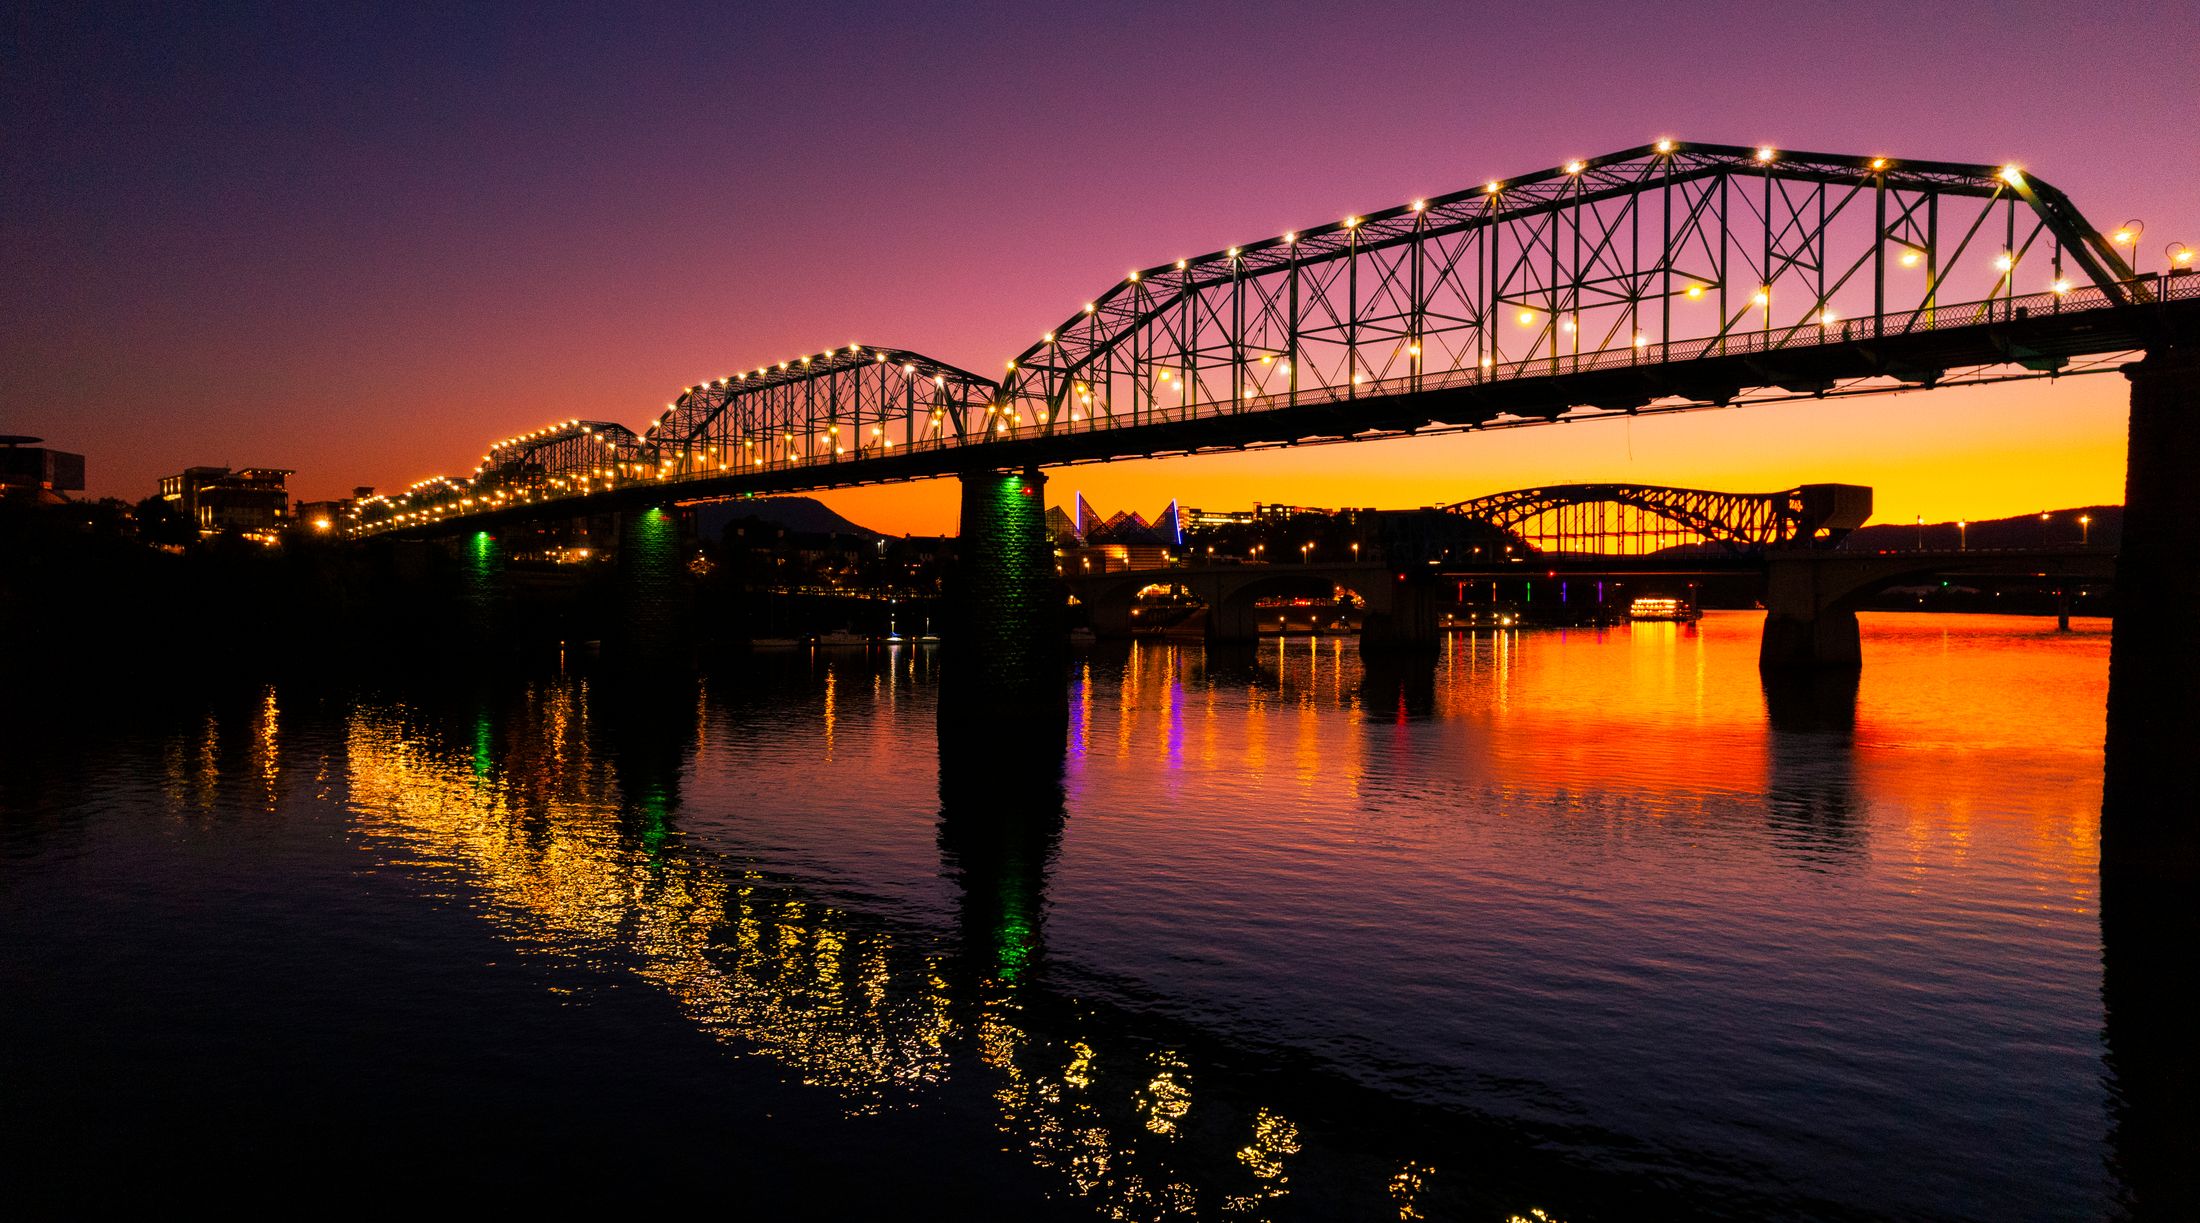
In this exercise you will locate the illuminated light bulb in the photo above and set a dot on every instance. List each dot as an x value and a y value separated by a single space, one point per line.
1879 163
1764 154
1566 325
1248 392
1413 349
1270 359
1763 297
1012 365
1527 318
1291 239
1574 167
1134 278
1351 222
1046 337
1493 187
908 369
2181 255
1088 307
1664 146
1486 363
2060 287
1910 259
2003 261
1180 265
1695 291
1420 205
1641 340
1233 252
1827 318
1357 379
1283 367
2011 175
2121 237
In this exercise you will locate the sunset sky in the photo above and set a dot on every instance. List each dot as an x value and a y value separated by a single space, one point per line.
366 246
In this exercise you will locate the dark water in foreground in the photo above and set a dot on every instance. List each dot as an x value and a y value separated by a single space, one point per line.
1595 924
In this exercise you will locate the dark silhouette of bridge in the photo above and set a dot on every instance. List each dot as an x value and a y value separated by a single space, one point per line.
1789 541
1673 276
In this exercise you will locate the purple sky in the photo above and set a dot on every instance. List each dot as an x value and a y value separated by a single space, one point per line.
366 246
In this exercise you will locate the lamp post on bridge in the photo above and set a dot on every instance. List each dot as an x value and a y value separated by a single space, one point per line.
1963 536
1921 532
2085 530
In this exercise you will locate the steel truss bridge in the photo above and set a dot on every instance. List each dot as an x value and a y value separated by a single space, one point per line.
1669 277
1607 520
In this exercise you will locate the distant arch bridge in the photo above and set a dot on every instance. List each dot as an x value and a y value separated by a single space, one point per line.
1644 519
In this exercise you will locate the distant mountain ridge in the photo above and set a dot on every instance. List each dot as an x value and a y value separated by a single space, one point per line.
797 515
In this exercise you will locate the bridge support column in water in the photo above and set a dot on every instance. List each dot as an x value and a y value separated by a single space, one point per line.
1806 625
486 599
650 623
2152 791
1409 625
1005 602
1003 721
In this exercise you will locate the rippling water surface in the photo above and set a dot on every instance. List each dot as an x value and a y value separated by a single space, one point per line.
1594 923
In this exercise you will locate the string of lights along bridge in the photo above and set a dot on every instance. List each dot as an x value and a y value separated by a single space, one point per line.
1669 277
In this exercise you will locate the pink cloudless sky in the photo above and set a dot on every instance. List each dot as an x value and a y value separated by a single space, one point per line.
363 246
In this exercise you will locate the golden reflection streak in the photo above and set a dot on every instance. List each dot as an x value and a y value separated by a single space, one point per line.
804 984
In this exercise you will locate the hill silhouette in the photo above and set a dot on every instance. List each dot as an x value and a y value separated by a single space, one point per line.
798 515
2061 529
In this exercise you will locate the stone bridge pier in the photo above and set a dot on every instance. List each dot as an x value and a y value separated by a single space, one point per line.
2151 790
1811 596
1004 601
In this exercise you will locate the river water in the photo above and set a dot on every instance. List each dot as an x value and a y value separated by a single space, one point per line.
1590 922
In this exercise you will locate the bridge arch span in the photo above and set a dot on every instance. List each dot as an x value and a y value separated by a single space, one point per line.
1639 519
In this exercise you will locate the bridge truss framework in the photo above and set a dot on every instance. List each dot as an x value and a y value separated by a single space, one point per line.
1665 277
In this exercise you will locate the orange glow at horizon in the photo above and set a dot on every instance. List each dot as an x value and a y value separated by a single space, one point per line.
1957 452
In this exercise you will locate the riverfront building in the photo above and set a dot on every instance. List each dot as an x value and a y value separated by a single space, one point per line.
248 501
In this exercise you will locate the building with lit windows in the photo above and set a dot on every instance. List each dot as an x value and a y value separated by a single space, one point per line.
248 501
